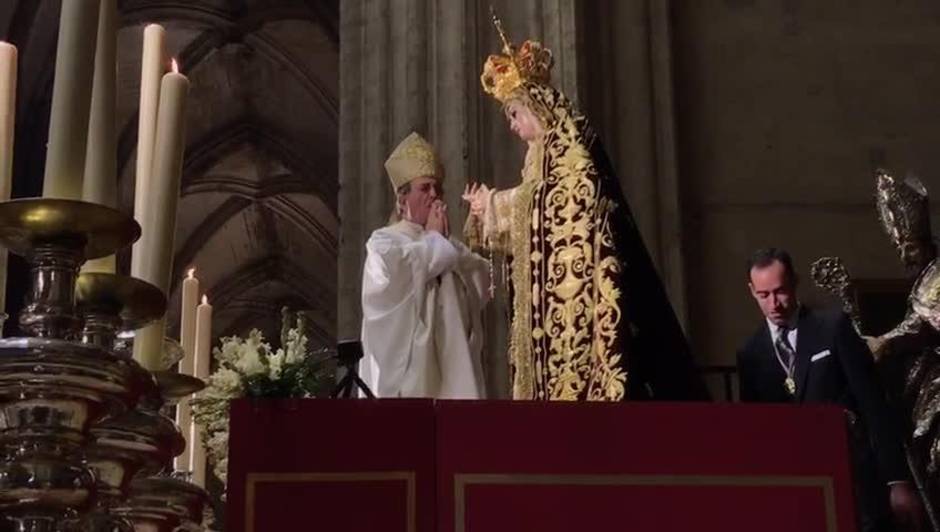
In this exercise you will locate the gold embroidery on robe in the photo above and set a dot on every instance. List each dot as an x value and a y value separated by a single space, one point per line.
565 339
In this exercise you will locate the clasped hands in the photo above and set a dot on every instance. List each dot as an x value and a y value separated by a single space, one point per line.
437 219
478 196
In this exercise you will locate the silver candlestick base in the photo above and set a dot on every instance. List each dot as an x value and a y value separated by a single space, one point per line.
52 389
110 304
165 504
140 442
80 430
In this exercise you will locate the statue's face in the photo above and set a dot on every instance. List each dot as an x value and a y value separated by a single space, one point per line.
523 121
914 255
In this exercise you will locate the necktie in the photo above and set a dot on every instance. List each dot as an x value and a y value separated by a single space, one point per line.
787 358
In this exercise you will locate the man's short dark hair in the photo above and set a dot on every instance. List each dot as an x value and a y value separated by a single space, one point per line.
764 257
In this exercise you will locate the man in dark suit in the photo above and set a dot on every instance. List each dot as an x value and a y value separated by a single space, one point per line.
802 355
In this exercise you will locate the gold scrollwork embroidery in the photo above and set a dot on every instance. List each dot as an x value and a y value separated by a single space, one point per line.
565 339
521 353
584 358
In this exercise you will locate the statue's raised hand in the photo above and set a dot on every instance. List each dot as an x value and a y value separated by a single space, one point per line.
477 195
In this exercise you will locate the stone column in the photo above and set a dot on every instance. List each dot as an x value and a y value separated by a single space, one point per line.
415 64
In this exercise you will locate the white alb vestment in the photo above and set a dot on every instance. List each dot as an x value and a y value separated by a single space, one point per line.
422 298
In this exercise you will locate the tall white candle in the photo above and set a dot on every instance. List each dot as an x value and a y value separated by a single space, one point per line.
152 67
148 345
71 98
100 183
153 256
190 298
203 359
7 122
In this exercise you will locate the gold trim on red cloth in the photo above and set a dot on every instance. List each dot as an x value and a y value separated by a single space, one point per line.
359 476
462 481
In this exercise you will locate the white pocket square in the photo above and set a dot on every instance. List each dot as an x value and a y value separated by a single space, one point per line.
819 355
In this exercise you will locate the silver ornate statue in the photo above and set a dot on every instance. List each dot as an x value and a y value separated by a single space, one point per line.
908 356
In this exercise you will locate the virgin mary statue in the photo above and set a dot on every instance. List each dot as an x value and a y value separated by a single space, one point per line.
590 318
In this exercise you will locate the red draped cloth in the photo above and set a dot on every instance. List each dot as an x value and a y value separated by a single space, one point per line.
422 466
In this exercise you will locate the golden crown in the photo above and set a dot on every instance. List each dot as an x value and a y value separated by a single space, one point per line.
504 73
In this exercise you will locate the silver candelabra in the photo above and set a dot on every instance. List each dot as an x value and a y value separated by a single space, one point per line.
83 444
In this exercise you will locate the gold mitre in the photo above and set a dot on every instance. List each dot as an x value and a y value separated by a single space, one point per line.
414 157
925 297
903 208
504 73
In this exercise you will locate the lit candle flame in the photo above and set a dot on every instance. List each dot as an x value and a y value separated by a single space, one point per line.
191 273
174 66
205 299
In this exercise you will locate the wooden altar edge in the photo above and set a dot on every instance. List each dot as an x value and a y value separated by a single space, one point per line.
463 480
253 479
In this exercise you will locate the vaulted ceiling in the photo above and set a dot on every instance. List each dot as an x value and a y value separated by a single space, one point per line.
257 214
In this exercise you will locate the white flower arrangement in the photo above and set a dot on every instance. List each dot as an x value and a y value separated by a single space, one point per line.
249 367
